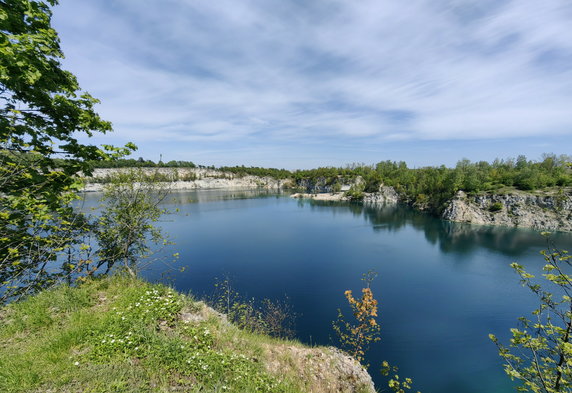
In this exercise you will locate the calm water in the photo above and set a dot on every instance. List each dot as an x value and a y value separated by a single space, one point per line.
442 287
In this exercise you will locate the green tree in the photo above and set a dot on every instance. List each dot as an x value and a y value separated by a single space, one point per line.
125 230
42 113
540 351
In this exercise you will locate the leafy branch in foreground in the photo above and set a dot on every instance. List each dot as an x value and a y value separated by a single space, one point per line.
355 337
395 383
540 351
43 115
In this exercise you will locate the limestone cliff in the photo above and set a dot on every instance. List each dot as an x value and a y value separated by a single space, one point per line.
540 210
384 195
191 179
537 211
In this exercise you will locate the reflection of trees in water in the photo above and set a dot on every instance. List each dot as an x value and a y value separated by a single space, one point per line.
202 196
450 237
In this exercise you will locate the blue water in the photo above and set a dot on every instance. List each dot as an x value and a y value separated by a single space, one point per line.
442 287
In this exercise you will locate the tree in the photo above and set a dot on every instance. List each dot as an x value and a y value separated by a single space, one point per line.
42 114
355 337
540 351
125 230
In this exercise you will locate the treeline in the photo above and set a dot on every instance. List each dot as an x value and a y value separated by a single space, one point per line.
431 187
427 187
141 163
241 171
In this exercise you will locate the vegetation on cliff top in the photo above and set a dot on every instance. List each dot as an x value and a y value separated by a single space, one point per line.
124 335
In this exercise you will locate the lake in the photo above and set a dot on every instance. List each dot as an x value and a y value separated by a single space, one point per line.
442 287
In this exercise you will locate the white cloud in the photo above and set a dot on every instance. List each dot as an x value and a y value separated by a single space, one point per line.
227 71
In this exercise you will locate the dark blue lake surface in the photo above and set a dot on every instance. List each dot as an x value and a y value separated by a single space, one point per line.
442 287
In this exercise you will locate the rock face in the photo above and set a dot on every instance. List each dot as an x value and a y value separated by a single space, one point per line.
546 212
191 179
384 195
321 185
321 369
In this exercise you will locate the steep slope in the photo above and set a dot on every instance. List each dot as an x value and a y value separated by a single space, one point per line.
124 335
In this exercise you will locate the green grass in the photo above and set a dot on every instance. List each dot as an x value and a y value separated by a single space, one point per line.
123 335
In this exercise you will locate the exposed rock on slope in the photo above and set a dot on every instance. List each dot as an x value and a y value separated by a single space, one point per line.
533 210
321 369
144 337
548 212
192 178
384 195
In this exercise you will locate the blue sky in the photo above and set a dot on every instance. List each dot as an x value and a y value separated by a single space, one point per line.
307 83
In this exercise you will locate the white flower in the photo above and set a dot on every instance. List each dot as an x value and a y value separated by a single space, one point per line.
76 363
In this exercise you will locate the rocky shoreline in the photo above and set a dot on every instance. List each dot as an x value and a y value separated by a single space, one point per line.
523 210
541 211
386 195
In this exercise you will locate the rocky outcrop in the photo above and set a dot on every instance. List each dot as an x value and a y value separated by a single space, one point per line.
323 370
316 186
319 369
320 185
537 211
385 195
191 179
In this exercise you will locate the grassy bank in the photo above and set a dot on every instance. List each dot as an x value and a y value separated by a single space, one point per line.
125 335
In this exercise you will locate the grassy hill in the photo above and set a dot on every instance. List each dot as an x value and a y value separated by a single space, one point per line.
125 335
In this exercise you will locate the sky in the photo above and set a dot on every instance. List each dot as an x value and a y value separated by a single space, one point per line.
307 83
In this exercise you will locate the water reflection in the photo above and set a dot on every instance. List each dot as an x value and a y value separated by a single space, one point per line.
204 196
443 286
185 197
450 237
